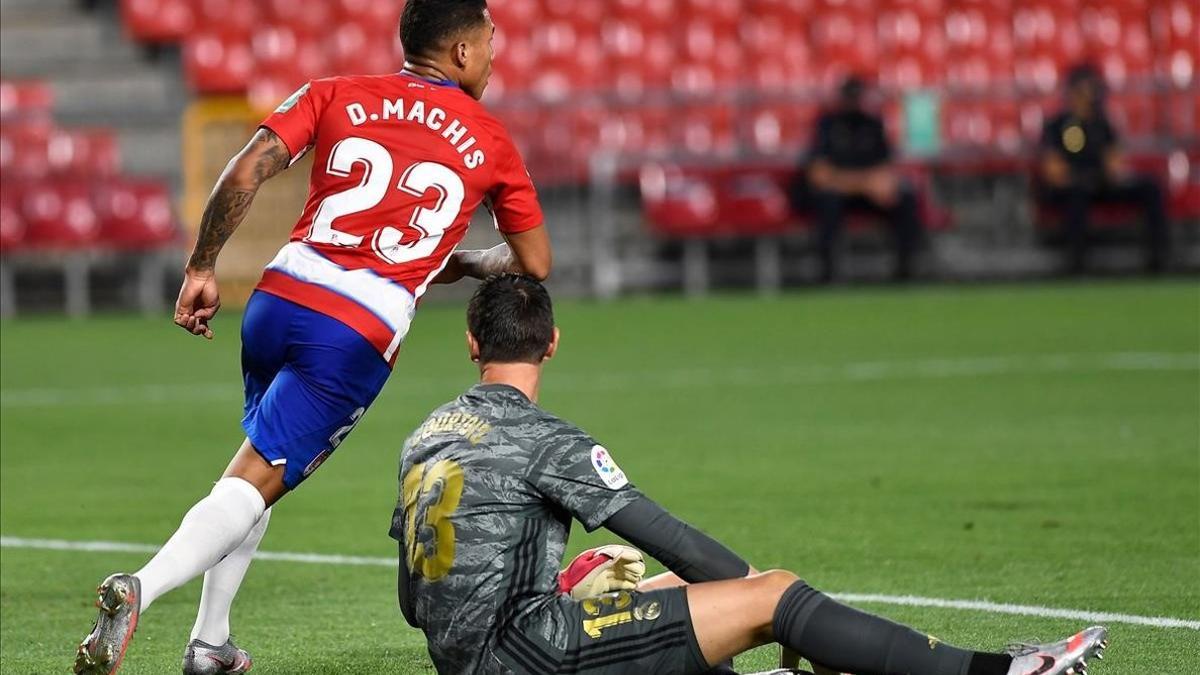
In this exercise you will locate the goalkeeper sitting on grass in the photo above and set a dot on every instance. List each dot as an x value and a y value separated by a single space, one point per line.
490 483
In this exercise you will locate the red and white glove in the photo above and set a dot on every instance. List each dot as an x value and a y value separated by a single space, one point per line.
602 570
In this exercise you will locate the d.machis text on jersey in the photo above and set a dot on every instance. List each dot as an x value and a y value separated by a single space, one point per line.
416 112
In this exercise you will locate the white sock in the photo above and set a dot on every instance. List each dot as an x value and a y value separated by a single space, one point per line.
210 530
221 584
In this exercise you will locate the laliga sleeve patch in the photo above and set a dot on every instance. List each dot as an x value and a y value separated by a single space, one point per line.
607 469
293 99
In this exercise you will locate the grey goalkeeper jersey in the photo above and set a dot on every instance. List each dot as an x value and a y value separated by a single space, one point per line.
489 484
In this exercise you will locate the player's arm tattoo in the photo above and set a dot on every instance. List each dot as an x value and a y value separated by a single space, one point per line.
263 157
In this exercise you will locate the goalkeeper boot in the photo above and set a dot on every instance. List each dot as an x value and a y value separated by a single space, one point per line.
1068 657
101 652
201 658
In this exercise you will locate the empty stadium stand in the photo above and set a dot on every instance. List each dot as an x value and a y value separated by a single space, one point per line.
65 205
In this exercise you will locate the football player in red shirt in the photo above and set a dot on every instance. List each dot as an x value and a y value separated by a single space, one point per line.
401 162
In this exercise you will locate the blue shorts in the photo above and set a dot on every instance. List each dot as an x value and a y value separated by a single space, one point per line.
309 379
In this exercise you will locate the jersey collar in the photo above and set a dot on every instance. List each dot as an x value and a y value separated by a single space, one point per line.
430 80
499 387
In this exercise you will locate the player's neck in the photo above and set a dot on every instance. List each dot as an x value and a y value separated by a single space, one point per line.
525 377
426 71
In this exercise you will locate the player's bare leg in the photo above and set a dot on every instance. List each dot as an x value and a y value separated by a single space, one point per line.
730 617
211 530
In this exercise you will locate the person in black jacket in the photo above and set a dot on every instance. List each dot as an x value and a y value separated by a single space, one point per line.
850 166
1081 165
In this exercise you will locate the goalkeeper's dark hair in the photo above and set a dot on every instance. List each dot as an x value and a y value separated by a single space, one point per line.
512 319
427 25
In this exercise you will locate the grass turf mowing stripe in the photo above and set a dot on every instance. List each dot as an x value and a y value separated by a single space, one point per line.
901 600
864 371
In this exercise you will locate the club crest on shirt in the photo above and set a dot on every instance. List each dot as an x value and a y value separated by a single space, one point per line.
607 469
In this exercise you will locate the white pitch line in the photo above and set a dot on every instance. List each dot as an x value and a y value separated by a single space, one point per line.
729 376
903 600
122 547
1021 610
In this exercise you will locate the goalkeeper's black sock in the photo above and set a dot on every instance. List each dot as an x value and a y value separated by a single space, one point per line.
725 668
825 631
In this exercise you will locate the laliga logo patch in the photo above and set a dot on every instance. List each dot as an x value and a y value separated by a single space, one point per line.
607 469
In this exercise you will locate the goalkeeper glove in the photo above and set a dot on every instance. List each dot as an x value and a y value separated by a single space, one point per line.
602 570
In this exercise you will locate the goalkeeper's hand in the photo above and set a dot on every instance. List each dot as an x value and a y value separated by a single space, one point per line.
602 570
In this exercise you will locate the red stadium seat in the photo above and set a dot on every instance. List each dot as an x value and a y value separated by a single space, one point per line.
976 72
981 125
268 90
230 17
652 13
217 63
25 150
910 71
590 13
157 20
552 85
1176 31
29 101
353 49
12 225
776 128
753 202
1183 114
979 47
283 53
1178 67
716 11
1118 38
308 18
134 214
1038 72
1135 116
1047 39
906 29
703 130
387 14
844 41
59 215
86 153
1033 113
678 204
1176 26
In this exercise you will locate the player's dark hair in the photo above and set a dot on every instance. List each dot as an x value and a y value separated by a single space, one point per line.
427 25
512 319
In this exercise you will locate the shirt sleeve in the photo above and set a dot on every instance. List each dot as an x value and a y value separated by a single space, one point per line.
883 148
295 120
513 200
579 475
1051 136
1111 137
820 147
686 551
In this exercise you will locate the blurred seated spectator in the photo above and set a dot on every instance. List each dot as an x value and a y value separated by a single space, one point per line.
850 167
1082 166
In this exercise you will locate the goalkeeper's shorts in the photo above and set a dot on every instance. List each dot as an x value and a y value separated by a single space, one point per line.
617 633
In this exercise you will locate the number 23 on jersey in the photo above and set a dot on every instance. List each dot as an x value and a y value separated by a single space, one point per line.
428 224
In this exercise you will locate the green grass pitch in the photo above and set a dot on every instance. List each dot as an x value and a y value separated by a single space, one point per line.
1028 444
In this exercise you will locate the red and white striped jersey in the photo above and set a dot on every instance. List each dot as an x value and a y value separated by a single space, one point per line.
400 164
